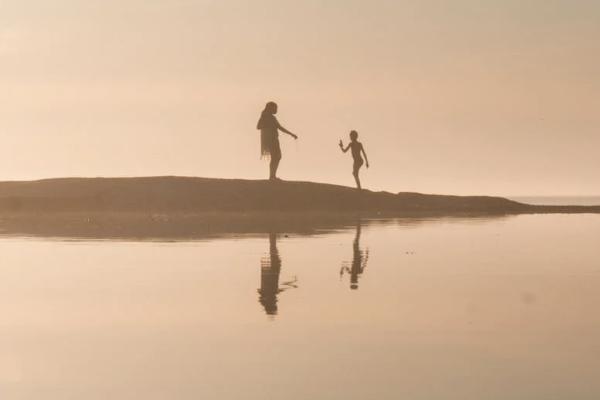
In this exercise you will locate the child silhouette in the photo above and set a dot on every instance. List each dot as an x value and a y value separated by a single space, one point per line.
357 151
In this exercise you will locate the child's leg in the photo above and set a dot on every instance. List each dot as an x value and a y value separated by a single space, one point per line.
355 173
357 179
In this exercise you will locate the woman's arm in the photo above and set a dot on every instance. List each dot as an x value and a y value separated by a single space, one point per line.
282 129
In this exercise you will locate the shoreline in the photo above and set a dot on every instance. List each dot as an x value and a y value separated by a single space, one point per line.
171 194
184 207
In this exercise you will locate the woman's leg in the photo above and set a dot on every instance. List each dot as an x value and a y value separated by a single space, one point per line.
273 167
275 159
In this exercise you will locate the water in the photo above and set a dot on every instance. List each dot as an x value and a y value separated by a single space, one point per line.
559 200
498 308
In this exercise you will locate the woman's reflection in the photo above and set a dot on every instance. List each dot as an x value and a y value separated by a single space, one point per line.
270 267
359 261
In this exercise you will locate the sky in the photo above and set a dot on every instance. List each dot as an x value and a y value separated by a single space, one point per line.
454 97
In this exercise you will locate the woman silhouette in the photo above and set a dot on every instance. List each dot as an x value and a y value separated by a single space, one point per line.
270 269
269 137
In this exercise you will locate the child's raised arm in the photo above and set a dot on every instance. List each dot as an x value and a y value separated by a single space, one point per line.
342 146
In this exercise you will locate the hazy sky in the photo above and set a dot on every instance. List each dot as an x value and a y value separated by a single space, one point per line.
457 96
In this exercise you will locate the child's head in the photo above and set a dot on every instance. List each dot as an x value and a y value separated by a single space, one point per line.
353 135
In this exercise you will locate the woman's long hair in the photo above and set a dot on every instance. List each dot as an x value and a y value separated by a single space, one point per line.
265 140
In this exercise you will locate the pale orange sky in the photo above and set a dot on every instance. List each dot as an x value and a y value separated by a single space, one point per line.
457 96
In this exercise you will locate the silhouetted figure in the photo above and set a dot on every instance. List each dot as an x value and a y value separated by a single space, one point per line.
359 261
270 269
269 137
357 151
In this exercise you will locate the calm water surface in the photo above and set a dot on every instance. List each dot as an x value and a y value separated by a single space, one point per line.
559 200
502 308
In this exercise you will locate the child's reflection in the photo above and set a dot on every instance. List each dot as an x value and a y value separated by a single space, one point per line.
359 261
270 267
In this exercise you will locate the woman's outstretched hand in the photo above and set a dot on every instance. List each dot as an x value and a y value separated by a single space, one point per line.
294 136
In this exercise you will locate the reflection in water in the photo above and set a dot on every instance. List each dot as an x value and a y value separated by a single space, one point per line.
359 261
467 321
270 267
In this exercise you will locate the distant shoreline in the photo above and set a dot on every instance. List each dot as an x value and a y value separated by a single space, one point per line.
558 200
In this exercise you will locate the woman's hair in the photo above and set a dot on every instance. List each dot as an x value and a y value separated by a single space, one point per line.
353 134
267 120
270 107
